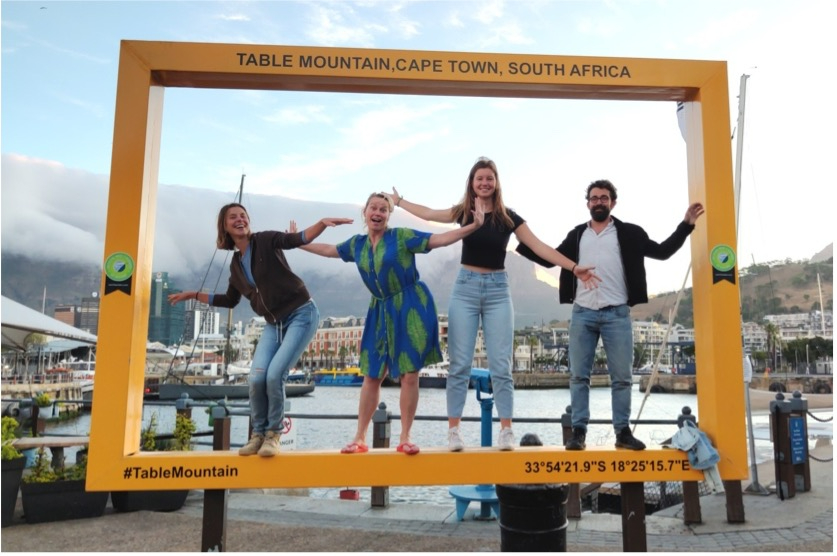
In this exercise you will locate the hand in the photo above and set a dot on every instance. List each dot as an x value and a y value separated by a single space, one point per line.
175 298
395 198
331 222
479 212
292 228
693 213
587 276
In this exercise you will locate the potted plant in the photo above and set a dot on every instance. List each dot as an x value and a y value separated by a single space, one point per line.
13 464
51 494
43 400
157 500
45 403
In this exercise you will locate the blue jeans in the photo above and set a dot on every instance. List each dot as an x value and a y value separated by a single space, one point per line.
279 348
481 295
613 325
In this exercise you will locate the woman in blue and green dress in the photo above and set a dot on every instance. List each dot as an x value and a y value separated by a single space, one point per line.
401 334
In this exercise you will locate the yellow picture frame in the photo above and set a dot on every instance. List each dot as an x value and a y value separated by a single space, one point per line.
147 68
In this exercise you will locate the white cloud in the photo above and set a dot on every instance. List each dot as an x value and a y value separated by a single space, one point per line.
721 31
233 17
300 115
328 27
488 12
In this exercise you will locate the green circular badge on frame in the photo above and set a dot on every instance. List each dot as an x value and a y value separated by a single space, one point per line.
119 267
722 258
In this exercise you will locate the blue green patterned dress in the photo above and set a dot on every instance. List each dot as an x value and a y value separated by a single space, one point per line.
402 328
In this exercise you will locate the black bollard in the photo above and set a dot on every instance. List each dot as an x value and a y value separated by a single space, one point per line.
533 518
798 430
381 434
780 413
574 496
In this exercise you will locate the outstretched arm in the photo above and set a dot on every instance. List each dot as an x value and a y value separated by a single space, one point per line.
452 236
175 298
322 249
664 250
314 230
544 251
443 216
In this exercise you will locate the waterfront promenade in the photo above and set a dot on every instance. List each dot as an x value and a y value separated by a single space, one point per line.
262 522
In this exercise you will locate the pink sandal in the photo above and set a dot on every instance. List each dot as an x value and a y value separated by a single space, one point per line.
354 448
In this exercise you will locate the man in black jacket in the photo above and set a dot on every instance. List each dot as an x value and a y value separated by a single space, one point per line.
617 250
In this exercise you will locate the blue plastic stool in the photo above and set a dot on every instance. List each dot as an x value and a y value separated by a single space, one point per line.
484 494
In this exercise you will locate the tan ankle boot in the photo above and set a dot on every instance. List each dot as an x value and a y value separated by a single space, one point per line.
270 446
252 445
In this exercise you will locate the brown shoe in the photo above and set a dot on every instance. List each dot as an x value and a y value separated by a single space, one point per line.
270 446
252 445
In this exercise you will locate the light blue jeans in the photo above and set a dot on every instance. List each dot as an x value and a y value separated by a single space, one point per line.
483 296
613 325
279 348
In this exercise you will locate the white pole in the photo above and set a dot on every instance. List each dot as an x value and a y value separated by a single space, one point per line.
739 145
754 487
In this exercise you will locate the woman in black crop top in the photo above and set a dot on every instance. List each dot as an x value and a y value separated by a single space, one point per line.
481 293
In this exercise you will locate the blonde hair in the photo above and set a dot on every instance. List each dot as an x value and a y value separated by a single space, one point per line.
378 195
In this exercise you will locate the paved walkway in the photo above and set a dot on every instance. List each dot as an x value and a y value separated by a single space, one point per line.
260 522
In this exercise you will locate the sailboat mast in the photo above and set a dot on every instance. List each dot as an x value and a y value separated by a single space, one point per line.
739 145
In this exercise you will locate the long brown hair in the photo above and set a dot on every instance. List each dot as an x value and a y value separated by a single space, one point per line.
224 240
462 210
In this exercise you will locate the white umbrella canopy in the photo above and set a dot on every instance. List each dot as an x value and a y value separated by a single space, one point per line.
19 321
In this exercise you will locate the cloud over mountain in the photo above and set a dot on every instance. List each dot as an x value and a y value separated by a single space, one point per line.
54 214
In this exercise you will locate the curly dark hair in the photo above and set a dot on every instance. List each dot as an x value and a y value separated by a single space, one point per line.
602 184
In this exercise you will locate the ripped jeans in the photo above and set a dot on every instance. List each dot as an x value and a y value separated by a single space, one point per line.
279 348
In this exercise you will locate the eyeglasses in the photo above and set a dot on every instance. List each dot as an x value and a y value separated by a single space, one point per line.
604 199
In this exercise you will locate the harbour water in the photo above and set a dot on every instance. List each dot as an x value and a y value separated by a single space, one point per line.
529 404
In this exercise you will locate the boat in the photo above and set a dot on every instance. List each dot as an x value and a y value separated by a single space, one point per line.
350 376
236 391
434 376
82 372
238 370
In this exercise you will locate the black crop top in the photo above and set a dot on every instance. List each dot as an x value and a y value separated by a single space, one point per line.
486 247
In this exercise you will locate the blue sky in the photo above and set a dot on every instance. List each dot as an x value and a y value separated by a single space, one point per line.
59 66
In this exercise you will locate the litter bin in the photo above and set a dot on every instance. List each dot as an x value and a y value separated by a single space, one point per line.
533 518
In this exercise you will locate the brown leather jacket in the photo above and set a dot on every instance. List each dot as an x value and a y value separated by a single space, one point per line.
278 291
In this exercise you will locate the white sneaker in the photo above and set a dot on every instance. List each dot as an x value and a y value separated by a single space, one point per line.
455 443
506 441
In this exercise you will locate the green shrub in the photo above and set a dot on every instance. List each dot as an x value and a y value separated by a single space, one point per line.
43 472
10 425
184 428
148 438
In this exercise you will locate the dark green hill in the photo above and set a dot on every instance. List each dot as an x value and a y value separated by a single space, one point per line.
788 287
